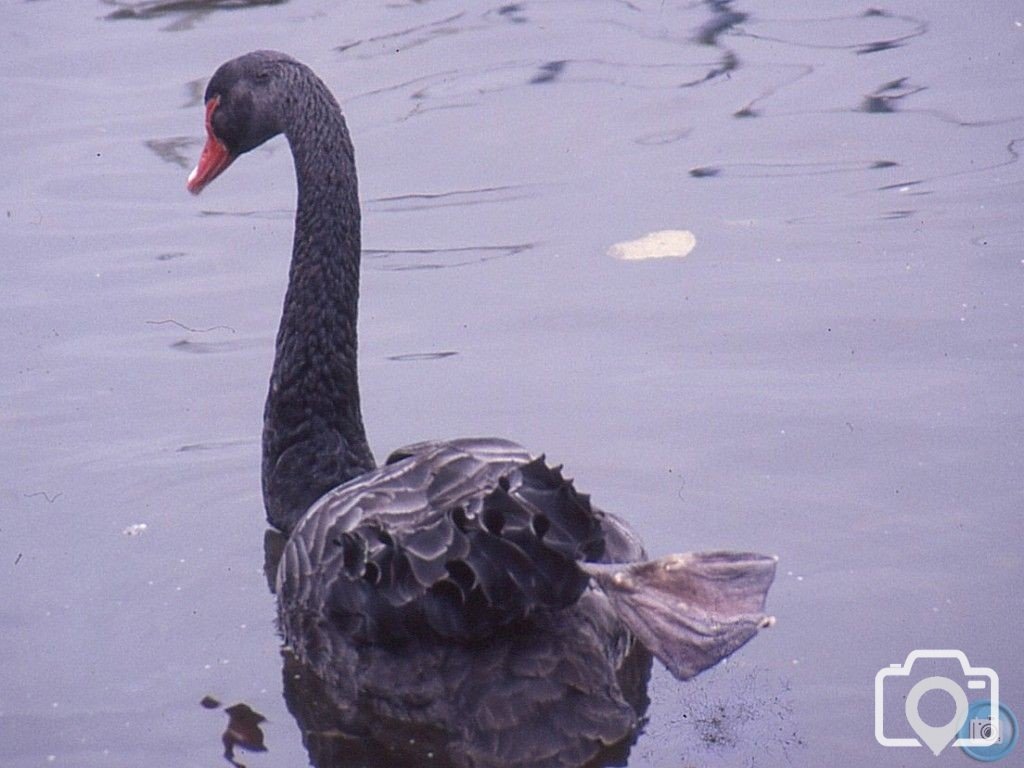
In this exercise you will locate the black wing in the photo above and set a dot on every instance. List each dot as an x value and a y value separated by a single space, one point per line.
455 538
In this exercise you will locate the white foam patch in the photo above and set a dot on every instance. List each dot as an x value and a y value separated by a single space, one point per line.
668 243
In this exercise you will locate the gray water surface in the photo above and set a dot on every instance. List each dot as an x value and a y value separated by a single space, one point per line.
833 374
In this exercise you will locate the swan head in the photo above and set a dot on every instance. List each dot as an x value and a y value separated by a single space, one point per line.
245 103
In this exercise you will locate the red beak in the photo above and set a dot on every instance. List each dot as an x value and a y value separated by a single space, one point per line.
215 157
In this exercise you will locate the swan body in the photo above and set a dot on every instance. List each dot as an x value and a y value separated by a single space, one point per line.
458 542
456 538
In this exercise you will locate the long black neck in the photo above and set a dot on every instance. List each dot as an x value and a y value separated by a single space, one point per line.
313 435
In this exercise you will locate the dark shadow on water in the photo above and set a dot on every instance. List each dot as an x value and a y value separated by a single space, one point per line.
214 445
549 72
659 138
213 347
414 356
723 19
280 213
172 150
821 34
917 27
513 12
400 260
751 108
780 170
705 172
887 96
188 11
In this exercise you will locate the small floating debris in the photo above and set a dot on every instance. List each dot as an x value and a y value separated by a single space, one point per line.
422 356
243 729
136 529
668 243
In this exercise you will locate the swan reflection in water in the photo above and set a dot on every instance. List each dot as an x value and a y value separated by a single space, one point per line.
566 689
544 695
462 603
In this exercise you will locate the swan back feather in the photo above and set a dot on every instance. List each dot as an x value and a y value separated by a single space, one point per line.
455 538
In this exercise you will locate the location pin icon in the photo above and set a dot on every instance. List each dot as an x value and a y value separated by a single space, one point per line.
936 738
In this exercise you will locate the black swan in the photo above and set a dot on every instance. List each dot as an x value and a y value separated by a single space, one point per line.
450 545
